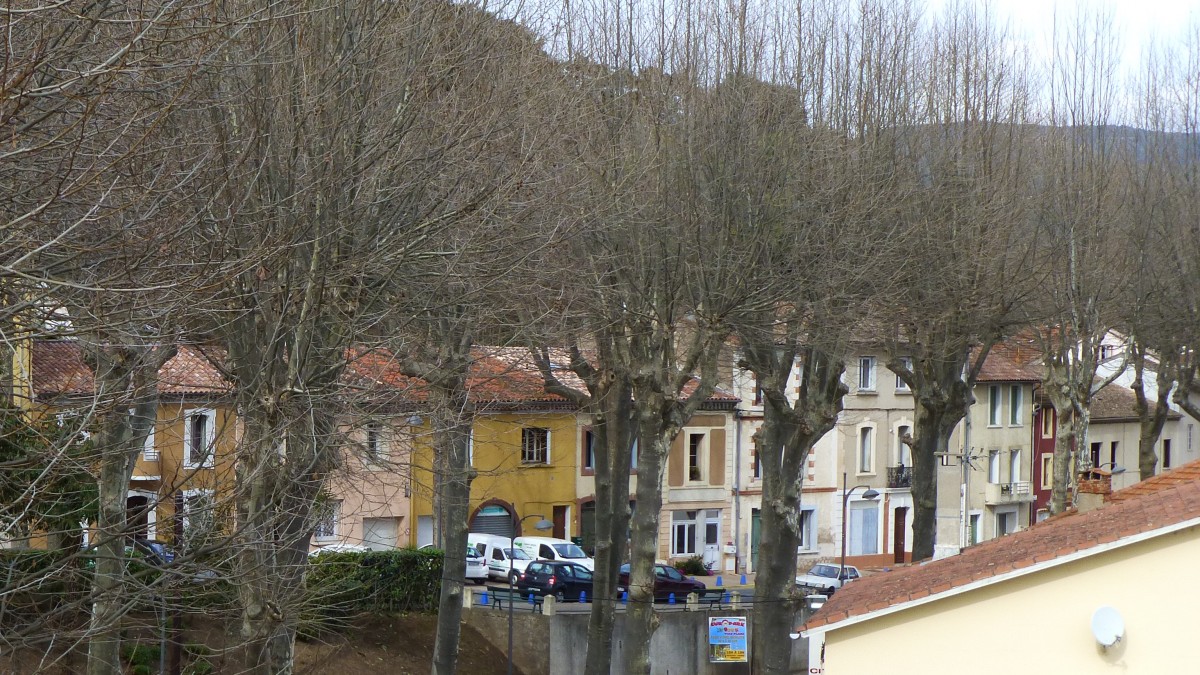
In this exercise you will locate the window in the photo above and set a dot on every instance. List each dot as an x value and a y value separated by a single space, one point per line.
1095 454
808 528
327 520
973 535
901 385
866 449
1014 465
1112 454
197 516
994 406
1016 409
758 392
695 457
1047 471
993 466
535 445
633 456
1106 352
683 533
1047 422
1166 453
866 373
589 452
1006 522
903 452
198 435
149 452
755 460
376 449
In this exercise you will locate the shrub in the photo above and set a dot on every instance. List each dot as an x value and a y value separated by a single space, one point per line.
339 585
693 566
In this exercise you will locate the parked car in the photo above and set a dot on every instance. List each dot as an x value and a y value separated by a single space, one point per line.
477 570
564 580
338 547
502 558
824 577
549 548
667 580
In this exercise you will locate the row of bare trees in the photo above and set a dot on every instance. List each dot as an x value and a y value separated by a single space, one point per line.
640 194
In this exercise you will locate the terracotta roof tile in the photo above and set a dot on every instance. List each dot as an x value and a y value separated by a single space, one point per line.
59 370
1167 499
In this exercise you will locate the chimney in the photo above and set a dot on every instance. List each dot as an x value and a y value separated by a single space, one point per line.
1095 486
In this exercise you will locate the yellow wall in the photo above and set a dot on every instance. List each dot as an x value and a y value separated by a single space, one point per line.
528 489
1040 623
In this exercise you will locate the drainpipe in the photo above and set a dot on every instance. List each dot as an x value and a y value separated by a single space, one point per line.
966 480
737 490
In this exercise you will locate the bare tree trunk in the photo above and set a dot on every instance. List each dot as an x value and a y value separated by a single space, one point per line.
933 426
125 377
640 619
1150 422
452 434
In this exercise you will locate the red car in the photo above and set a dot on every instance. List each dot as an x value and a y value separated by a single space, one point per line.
667 580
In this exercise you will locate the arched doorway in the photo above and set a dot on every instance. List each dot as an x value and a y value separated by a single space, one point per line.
493 519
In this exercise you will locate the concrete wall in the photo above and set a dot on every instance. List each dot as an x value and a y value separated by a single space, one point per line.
551 645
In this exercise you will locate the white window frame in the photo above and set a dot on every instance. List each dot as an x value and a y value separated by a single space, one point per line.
534 461
995 406
676 540
975 533
331 513
701 457
1016 405
149 451
187 515
1009 512
1047 470
1014 465
211 428
374 434
994 466
866 373
902 451
808 529
901 385
865 450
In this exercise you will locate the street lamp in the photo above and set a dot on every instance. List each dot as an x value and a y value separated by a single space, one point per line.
869 495
1116 468
542 524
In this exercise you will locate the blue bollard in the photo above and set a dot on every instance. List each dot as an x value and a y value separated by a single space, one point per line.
719 582
485 597
671 599
725 598
743 579
583 596
531 598
624 597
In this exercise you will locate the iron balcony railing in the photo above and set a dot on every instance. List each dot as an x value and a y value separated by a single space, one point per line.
899 476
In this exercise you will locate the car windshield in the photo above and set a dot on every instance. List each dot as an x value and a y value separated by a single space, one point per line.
517 554
824 571
472 553
569 551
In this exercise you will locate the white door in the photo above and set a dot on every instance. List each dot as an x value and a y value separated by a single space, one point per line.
864 528
379 534
712 538
424 530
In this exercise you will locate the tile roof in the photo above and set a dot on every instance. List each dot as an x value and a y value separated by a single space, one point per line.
1118 403
1169 499
59 370
1003 364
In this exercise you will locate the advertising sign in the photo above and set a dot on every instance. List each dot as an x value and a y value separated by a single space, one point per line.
727 639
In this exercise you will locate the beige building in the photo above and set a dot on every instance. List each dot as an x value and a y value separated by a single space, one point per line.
1034 594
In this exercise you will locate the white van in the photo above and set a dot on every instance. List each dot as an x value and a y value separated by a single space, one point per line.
548 548
502 559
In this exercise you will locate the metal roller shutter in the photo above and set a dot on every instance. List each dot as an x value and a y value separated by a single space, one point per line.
493 520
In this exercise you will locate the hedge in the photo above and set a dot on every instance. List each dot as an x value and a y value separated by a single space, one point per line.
339 585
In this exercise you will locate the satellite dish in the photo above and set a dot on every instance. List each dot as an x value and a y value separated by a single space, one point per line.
1107 626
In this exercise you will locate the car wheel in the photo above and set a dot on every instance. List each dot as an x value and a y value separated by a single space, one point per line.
479 582
560 596
512 578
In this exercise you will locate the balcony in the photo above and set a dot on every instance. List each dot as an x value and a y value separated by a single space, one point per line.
1020 492
899 477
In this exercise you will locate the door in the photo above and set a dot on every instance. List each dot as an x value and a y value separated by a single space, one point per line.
424 530
560 522
712 538
899 528
379 534
755 537
137 516
864 528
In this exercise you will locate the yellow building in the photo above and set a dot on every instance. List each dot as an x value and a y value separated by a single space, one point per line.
187 460
1101 591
